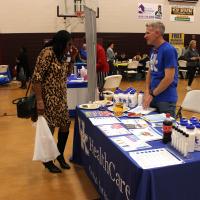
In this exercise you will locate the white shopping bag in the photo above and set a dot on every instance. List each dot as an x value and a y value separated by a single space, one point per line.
45 147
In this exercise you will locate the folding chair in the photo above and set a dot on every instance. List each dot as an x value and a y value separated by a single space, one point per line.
182 68
131 68
111 83
190 103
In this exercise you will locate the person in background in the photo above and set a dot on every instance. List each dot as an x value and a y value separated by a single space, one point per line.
23 73
83 53
102 66
110 58
192 58
162 77
49 84
137 57
122 57
142 69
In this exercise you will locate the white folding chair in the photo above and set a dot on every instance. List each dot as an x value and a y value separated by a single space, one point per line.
182 67
111 83
190 103
131 68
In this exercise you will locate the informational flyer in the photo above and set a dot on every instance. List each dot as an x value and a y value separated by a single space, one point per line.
114 129
129 143
104 120
182 13
98 113
141 110
156 118
147 134
134 123
154 158
150 11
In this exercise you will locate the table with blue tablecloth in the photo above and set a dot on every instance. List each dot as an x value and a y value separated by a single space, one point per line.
5 75
117 176
77 93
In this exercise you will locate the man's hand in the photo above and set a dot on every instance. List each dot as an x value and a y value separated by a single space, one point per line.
40 107
147 100
195 58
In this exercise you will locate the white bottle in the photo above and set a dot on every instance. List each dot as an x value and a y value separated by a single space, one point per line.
75 70
190 129
197 138
116 97
183 125
121 96
140 98
132 99
125 98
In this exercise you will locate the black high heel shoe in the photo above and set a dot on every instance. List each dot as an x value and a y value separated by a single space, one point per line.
62 162
51 167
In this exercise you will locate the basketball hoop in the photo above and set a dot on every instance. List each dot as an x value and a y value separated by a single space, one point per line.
80 15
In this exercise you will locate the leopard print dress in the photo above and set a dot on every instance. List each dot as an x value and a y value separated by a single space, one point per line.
52 75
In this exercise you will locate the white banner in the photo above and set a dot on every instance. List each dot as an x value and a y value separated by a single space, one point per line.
150 11
182 13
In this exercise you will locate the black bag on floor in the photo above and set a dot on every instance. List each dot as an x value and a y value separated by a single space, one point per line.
26 106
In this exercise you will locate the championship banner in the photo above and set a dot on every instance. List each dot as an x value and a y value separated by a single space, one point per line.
177 40
149 11
182 13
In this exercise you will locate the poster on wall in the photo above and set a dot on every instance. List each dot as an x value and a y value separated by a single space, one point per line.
150 11
182 13
177 40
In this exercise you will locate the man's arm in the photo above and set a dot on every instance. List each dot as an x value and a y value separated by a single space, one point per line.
163 85
147 97
165 82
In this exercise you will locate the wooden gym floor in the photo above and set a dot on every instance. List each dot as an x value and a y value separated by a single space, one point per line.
23 179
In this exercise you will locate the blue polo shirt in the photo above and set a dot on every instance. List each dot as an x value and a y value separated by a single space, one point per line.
164 57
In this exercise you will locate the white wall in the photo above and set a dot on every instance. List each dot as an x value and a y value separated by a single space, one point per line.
38 16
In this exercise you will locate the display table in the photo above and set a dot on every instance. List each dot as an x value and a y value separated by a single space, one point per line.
5 76
77 93
118 177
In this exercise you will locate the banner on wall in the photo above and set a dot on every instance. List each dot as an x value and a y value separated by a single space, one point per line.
182 13
177 40
150 11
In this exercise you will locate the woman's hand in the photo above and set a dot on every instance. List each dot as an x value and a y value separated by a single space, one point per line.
73 53
40 107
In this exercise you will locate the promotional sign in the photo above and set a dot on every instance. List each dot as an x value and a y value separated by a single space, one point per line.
182 13
150 11
177 40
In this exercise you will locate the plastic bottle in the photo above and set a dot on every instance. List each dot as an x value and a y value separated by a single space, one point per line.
75 70
125 98
167 129
116 97
121 96
140 98
197 138
183 125
190 129
132 99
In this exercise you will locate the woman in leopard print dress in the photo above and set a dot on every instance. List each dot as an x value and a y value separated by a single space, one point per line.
49 83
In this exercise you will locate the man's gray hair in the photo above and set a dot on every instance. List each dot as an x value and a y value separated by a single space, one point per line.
157 25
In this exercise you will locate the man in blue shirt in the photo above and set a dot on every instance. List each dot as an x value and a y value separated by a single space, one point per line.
162 77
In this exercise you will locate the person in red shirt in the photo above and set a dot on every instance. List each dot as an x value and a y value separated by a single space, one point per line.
101 66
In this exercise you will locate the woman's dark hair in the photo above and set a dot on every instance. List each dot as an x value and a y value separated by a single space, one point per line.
59 43
109 44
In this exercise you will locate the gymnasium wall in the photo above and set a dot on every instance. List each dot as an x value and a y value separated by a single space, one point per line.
29 23
119 16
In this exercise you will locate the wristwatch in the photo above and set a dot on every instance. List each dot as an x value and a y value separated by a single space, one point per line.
151 93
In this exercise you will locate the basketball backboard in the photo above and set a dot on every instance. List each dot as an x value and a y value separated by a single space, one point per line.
73 8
